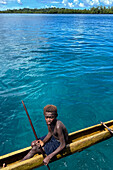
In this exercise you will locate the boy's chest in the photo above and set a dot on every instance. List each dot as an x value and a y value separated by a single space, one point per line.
54 132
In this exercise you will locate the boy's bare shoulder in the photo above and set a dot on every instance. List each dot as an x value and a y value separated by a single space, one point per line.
60 127
60 124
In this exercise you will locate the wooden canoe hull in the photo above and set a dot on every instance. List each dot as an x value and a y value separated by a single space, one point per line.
78 141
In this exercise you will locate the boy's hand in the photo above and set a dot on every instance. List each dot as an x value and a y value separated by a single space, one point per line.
33 143
46 160
39 143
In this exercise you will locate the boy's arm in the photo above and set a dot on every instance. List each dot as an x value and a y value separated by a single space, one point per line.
62 146
47 137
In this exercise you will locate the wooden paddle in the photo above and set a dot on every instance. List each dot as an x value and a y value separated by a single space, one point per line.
34 131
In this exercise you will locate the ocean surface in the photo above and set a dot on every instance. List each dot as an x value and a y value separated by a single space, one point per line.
65 60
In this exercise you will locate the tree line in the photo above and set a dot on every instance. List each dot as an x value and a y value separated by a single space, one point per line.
93 10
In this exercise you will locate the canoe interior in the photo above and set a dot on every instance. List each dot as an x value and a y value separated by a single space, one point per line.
16 156
90 131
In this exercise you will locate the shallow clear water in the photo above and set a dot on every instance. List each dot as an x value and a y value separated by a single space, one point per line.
65 60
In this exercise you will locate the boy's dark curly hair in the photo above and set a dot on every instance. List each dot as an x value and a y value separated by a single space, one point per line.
50 108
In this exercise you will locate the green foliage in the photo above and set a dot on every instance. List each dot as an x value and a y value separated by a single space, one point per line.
93 10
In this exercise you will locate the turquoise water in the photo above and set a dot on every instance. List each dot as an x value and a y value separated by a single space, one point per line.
65 60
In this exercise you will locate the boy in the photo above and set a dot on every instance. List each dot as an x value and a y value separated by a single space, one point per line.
56 139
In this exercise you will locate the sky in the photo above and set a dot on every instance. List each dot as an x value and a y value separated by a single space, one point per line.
73 4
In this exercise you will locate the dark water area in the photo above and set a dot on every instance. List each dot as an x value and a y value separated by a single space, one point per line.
65 60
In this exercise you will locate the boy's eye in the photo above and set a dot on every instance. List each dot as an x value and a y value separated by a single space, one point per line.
51 117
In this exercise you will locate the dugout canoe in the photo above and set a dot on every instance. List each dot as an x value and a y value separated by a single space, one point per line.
78 141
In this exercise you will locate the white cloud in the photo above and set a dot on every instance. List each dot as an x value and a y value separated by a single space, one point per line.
3 2
70 5
10 0
107 2
91 3
19 1
95 2
76 2
7 1
53 6
81 5
65 2
55 2
46 6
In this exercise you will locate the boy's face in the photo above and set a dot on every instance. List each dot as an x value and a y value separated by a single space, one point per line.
49 117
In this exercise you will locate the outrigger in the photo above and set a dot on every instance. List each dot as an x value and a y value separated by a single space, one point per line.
78 141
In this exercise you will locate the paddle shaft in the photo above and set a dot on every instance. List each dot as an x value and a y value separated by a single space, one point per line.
30 121
34 131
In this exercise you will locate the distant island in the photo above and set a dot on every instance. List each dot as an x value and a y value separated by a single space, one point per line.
93 10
